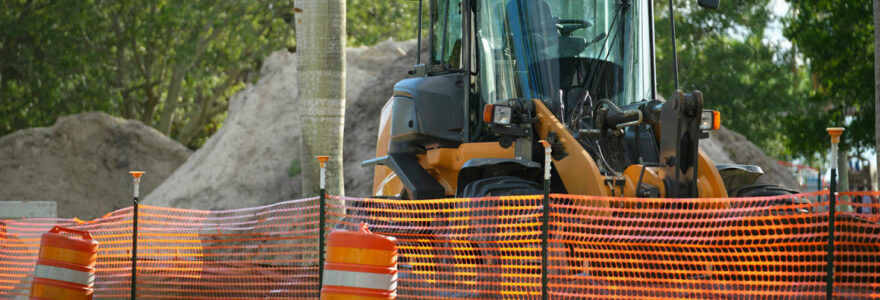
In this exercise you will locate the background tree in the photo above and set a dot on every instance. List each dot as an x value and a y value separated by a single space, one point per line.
725 54
369 22
171 64
44 63
320 27
836 38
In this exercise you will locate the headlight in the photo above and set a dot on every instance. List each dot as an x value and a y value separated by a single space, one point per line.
710 120
498 114
501 115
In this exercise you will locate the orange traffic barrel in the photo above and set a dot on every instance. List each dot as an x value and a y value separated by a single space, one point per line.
65 266
360 265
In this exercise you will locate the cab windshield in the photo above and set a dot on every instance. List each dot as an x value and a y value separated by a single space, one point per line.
560 50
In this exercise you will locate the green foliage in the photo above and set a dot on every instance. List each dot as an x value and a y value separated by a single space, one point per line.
171 64
836 37
369 22
43 60
295 168
723 54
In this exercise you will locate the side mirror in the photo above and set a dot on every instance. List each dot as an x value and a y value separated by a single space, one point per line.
710 4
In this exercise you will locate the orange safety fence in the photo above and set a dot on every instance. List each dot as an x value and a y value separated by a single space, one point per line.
255 253
768 247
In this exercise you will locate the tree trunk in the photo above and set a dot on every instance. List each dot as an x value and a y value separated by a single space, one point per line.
171 100
877 86
320 44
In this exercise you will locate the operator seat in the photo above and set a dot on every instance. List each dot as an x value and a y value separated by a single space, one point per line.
539 23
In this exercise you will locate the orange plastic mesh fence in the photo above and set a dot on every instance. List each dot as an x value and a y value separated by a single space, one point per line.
857 245
255 253
770 247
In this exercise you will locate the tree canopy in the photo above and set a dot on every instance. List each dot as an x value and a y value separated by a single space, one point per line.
369 22
725 54
836 38
170 64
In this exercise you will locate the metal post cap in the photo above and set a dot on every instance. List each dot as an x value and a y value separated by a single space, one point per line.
323 159
835 133
136 174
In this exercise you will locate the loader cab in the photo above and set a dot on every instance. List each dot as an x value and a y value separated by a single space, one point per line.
553 50
503 74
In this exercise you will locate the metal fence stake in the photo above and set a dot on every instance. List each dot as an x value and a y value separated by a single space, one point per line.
545 221
321 220
136 177
835 133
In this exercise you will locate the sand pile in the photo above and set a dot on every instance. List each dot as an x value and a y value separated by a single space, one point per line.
729 147
82 162
254 158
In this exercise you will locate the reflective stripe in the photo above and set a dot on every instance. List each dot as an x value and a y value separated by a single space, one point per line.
68 255
66 275
387 282
47 291
361 256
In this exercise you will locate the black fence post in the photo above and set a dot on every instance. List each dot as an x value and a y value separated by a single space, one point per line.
134 249
136 177
322 212
545 222
321 227
545 233
835 133
832 210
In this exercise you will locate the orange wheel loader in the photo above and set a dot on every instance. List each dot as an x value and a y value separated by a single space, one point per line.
503 75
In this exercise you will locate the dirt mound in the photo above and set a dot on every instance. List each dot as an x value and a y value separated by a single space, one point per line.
253 159
82 162
246 162
729 147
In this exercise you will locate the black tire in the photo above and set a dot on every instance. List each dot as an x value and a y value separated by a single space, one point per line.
501 186
487 241
760 190
790 265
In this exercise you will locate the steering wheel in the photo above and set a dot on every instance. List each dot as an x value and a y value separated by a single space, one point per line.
566 27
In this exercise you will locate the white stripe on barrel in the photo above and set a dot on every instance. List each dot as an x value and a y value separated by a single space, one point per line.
365 280
66 275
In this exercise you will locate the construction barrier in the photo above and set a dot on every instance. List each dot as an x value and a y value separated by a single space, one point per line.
360 265
768 247
65 266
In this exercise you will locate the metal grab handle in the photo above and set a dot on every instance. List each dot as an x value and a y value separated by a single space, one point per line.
84 234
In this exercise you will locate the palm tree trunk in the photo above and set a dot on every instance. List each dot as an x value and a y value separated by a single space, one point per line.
320 46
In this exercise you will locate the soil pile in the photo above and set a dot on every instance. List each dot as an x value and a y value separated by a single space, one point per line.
254 158
725 146
82 162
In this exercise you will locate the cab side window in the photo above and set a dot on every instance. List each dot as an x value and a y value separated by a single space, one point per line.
446 16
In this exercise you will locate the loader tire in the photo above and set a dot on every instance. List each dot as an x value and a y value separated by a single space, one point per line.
502 257
785 267
760 190
501 186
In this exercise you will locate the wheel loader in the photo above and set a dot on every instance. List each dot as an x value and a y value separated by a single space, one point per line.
580 74
503 76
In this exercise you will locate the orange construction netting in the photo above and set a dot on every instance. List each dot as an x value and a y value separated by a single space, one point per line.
254 253
770 247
